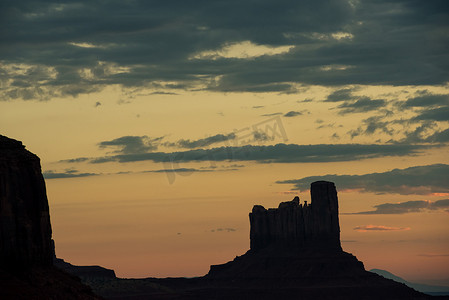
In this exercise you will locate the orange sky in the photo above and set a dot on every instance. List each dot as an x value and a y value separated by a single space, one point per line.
158 131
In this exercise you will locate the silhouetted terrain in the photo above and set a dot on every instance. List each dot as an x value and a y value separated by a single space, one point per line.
295 252
425 288
26 247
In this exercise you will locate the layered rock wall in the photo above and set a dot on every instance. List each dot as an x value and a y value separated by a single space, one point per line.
25 229
313 225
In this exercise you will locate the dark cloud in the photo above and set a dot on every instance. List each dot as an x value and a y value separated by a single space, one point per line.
260 136
98 103
439 137
178 170
218 138
280 153
305 101
352 103
372 125
418 135
426 99
163 93
57 48
363 104
419 180
75 160
434 114
366 228
272 114
131 144
341 95
407 207
70 173
293 113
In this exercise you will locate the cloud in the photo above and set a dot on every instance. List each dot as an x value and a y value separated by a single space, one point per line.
272 114
69 173
372 125
367 228
279 153
341 95
421 180
131 144
426 99
98 103
75 160
407 207
363 104
439 137
260 136
51 49
178 170
293 113
434 114
223 230
352 103
218 138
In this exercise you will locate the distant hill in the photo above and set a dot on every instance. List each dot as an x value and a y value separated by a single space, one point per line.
434 290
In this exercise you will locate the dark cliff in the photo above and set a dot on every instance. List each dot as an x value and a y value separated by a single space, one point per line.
25 229
26 246
313 225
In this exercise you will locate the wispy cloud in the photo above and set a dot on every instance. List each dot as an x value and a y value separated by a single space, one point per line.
407 207
280 153
272 114
421 180
341 95
367 228
223 230
362 104
69 173
204 142
131 144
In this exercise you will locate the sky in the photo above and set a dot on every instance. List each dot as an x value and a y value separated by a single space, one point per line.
159 125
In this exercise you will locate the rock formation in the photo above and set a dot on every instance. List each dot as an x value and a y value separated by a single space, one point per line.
312 225
25 230
84 272
295 254
26 247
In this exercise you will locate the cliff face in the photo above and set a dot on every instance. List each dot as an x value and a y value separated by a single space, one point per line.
25 229
26 247
312 225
